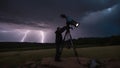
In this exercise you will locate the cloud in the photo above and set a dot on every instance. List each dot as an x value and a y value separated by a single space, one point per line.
46 9
102 23
97 17
18 23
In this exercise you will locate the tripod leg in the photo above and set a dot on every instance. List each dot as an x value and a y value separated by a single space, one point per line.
62 43
74 49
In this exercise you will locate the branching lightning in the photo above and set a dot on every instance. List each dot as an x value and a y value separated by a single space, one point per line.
25 35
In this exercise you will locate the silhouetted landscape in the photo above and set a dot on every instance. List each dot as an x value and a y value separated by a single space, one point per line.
40 55
81 42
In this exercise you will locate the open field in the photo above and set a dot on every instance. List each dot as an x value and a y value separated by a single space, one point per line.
15 58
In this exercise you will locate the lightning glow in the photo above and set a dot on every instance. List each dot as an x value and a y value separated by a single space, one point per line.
25 35
109 9
4 31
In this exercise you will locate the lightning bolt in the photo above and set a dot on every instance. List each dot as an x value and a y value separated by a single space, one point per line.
25 35
42 36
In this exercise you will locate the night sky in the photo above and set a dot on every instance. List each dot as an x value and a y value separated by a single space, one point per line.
37 20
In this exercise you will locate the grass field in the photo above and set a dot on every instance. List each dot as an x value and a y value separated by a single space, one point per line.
20 57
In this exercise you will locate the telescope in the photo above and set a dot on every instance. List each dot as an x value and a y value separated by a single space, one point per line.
74 23
70 21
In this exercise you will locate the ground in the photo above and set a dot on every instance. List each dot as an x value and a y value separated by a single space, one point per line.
109 57
71 62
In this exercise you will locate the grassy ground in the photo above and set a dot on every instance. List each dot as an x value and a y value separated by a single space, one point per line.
20 57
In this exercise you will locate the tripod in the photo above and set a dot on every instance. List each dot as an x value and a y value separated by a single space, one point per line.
67 33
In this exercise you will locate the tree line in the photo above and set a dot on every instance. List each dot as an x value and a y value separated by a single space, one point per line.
80 42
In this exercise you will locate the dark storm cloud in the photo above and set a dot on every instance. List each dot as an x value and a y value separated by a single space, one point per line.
18 23
35 14
102 23
58 4
48 10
